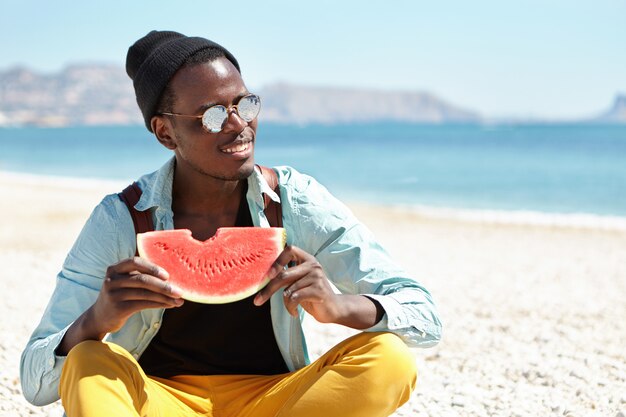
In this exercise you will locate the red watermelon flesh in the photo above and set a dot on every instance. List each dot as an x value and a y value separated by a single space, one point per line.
230 266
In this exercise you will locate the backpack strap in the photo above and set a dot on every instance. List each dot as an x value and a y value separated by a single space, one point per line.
142 220
273 210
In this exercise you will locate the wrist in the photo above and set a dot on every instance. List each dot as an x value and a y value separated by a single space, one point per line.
358 311
82 329
89 325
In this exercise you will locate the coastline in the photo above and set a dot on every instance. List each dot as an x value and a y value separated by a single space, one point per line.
522 218
532 310
59 181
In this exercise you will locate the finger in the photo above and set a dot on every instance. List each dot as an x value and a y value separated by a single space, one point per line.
139 265
308 294
283 259
291 254
283 279
145 281
291 305
134 306
301 283
141 294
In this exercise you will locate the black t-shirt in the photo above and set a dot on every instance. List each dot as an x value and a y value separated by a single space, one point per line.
215 339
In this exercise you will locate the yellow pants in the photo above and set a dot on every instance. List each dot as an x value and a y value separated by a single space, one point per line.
370 374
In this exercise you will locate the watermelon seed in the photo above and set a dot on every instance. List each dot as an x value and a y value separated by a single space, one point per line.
161 245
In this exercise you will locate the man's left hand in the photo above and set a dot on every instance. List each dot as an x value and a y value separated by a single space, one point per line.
305 283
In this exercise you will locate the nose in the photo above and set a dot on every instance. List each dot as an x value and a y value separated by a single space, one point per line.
234 123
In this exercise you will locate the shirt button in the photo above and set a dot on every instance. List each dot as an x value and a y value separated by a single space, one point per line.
156 325
136 355
51 362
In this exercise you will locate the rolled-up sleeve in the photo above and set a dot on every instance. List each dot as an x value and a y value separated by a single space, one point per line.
77 288
355 262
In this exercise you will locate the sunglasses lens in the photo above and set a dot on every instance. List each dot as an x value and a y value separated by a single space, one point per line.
213 118
249 107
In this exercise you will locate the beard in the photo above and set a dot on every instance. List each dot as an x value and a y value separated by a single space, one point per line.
234 173
241 173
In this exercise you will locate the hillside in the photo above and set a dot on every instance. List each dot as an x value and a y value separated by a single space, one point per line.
78 95
617 112
92 94
299 104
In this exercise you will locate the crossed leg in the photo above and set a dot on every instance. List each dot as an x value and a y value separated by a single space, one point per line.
369 374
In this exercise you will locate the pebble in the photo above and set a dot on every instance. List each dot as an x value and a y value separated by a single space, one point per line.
458 401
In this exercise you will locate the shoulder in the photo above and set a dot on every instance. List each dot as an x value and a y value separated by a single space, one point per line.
108 225
112 210
299 184
308 201
291 177
106 238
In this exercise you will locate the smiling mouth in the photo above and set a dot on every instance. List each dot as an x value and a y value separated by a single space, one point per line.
237 147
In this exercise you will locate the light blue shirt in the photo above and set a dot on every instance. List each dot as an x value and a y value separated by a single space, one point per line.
315 222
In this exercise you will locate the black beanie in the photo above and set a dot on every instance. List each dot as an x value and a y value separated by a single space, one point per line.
154 59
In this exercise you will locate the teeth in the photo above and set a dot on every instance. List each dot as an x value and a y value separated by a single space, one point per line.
239 148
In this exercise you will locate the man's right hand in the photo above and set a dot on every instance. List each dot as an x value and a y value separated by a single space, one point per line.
129 286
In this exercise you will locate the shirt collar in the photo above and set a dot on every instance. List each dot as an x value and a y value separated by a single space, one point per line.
259 186
157 188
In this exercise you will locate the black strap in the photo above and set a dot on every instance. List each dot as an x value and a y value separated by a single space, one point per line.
142 220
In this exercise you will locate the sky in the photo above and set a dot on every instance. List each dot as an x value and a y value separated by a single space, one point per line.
548 59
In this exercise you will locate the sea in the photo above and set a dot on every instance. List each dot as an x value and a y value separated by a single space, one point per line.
575 170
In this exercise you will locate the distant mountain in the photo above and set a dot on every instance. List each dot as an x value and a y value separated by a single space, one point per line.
299 104
617 113
89 94
99 94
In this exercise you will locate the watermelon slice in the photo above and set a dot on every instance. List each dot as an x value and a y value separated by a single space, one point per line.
230 266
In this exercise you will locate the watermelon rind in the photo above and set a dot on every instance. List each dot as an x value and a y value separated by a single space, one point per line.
144 240
205 299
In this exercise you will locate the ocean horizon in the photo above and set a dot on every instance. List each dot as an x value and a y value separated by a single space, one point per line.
539 174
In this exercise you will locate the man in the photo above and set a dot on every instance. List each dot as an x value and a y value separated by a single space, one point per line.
163 356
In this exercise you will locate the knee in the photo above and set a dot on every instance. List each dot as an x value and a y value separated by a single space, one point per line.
390 371
86 350
80 362
395 363
94 352
95 357
92 368
83 353
385 356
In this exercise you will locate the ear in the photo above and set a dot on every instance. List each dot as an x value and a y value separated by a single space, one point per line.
163 131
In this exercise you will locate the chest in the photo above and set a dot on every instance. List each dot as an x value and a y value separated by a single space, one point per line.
204 227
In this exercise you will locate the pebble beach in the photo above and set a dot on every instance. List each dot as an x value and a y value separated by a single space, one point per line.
534 312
